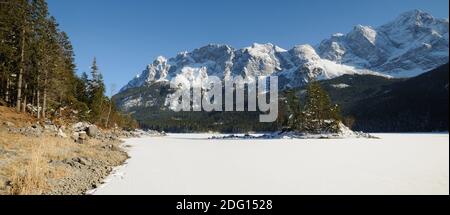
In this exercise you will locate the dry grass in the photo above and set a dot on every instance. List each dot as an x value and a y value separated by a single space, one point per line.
27 165
19 119
30 177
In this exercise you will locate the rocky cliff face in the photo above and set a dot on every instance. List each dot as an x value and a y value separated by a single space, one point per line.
413 43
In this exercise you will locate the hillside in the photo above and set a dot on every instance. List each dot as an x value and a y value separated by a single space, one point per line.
377 104
416 104
44 158
366 58
149 110
368 103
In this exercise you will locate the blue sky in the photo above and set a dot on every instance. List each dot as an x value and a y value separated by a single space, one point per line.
126 35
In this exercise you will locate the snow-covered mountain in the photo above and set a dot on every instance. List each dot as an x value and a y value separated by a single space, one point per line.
294 67
413 43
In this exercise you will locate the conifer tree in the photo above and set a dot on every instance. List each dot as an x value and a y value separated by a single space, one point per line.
319 114
37 68
294 110
97 91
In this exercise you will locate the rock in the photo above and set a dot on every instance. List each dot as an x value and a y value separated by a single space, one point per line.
36 126
82 161
75 135
82 137
92 131
9 124
71 163
61 133
50 128
80 126
8 183
48 122
34 130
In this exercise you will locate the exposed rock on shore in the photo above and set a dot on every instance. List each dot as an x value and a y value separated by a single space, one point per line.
71 160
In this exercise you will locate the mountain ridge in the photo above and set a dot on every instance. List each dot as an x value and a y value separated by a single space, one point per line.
411 44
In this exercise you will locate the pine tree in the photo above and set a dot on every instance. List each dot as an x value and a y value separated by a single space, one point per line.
294 111
97 77
14 28
96 90
81 88
319 114
23 34
37 67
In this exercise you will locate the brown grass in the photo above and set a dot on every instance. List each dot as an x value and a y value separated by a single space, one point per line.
11 115
30 178
28 168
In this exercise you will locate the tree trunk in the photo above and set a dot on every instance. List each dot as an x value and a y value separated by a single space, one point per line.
44 102
33 97
24 104
38 103
7 90
109 114
19 80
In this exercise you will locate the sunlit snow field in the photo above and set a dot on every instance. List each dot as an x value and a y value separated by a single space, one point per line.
193 164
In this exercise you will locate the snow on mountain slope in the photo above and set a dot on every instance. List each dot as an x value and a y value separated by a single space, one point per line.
413 43
307 61
299 65
155 72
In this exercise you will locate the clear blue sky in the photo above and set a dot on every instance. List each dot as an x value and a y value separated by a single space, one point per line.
126 35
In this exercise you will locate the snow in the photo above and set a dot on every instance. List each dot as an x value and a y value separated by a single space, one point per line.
161 59
369 33
132 102
411 44
333 70
338 35
343 132
394 48
340 86
261 50
189 164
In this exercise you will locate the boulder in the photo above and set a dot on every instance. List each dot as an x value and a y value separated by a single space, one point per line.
35 130
80 126
75 136
50 128
82 137
92 131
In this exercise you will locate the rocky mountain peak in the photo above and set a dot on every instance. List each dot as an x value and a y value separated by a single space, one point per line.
412 43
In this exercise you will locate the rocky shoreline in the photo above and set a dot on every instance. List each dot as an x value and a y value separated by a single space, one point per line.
343 132
76 159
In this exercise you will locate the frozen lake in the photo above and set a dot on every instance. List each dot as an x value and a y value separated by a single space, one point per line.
190 164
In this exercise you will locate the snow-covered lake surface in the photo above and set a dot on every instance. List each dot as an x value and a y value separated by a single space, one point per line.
190 164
